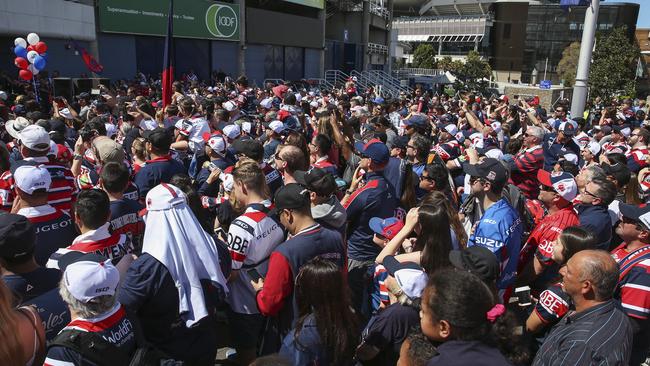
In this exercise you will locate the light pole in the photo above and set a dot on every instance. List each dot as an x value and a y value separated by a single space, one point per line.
586 47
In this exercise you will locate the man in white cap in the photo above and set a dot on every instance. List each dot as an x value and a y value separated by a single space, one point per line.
216 150
34 147
54 228
176 284
89 287
274 132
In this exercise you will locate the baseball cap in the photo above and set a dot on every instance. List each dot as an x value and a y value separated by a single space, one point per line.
266 103
250 148
593 147
619 171
35 138
229 106
292 195
88 275
567 128
246 126
17 237
622 129
605 129
416 120
159 138
409 276
14 126
387 228
451 129
476 260
640 213
562 182
495 126
373 149
276 126
217 143
108 150
401 142
490 169
378 100
30 178
316 180
232 131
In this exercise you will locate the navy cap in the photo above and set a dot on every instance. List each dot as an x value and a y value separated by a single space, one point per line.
317 180
640 213
17 236
417 120
401 142
373 149
477 260
290 196
490 169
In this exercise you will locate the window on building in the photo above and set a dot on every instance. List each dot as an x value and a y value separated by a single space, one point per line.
507 28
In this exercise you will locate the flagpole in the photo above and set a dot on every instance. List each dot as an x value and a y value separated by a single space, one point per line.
168 58
584 62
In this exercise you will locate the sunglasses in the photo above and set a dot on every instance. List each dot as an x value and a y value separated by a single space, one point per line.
590 194
473 180
429 179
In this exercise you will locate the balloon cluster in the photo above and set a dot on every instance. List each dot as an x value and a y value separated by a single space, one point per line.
30 56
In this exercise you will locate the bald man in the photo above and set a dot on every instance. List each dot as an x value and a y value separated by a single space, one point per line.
597 332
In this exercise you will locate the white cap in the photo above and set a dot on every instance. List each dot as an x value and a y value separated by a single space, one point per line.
232 131
494 153
593 147
3 95
298 97
29 178
277 126
477 139
35 138
88 275
496 126
111 129
218 144
14 126
313 104
452 129
228 181
247 127
267 103
411 281
65 113
572 158
229 106
164 197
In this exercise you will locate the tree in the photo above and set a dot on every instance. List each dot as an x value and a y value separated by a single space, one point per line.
472 72
568 65
424 56
614 64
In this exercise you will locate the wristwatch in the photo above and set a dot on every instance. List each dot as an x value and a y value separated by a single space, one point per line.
77 156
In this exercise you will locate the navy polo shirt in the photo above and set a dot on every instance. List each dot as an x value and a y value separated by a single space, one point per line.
149 291
596 219
461 353
553 150
375 199
156 171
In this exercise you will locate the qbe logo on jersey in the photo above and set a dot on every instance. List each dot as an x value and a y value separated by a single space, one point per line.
221 20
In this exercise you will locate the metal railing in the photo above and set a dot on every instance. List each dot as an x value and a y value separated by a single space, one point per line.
336 78
417 71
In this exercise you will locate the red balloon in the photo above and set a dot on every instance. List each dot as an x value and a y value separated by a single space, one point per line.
30 48
25 74
21 63
40 47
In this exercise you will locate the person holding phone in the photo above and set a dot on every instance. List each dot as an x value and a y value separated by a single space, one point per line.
308 240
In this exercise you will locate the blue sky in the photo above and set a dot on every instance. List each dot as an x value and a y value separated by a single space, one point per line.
644 12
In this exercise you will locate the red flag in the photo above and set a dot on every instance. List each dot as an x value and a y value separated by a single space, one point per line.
168 63
90 62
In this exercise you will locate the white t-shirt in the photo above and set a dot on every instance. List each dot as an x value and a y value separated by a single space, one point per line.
251 239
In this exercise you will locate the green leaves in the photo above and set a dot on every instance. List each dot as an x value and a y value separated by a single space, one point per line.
613 65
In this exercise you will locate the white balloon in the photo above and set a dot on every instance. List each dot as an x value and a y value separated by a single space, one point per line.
33 38
33 69
20 42
31 55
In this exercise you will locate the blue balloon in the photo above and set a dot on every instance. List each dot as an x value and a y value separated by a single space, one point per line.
39 63
20 51
44 55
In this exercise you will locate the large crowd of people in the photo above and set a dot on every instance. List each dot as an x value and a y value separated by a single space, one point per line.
298 225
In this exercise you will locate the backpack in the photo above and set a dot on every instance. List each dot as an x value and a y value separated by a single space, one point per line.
95 348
